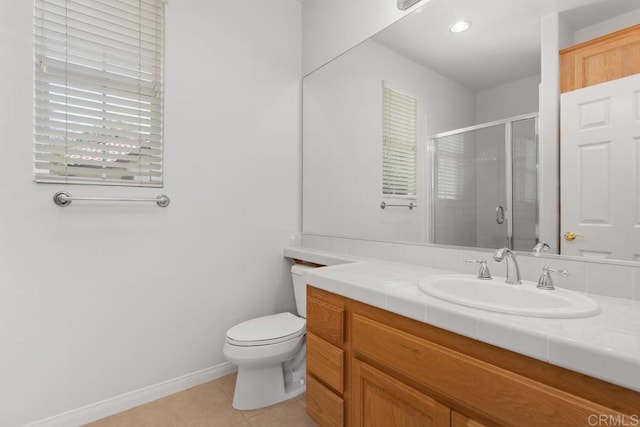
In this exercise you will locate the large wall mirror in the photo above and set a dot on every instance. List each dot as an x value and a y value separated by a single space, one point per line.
427 135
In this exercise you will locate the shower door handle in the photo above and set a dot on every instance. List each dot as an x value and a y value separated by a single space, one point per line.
499 214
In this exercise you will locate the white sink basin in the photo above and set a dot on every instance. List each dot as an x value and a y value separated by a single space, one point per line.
496 295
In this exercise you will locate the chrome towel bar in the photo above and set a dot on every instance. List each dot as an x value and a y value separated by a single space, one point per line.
62 198
384 205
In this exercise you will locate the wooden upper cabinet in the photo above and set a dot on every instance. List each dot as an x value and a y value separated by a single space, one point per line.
600 60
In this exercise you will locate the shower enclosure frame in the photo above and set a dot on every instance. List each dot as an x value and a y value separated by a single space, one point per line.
508 124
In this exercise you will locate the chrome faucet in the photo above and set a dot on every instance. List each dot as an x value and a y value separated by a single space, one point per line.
483 273
539 248
513 271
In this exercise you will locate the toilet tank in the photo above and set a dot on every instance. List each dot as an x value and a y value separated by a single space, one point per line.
300 288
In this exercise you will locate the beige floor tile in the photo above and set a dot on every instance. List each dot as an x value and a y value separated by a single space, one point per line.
209 405
228 384
153 413
290 413
302 399
253 412
204 405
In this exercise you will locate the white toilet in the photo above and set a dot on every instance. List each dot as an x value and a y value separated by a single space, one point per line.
270 353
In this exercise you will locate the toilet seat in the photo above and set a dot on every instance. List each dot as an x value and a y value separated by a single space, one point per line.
267 330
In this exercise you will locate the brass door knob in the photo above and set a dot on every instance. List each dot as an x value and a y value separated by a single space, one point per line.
570 236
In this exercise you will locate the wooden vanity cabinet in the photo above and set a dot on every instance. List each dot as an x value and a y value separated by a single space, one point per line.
326 357
370 367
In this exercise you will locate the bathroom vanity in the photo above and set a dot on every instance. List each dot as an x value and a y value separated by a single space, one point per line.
379 352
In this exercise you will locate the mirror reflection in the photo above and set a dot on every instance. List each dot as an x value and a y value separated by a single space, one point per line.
425 115
485 185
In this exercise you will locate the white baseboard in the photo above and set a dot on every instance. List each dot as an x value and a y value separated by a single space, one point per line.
104 408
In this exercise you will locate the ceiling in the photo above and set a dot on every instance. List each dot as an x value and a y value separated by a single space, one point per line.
503 43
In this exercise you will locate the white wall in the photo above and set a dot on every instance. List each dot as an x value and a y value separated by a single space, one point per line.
606 27
331 27
343 141
99 300
508 100
555 36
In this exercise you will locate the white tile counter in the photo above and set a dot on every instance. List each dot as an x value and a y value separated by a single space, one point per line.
604 346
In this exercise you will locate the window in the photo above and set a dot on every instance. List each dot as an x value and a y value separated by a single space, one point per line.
399 141
98 92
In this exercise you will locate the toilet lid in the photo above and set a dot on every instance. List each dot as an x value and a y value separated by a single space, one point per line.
267 330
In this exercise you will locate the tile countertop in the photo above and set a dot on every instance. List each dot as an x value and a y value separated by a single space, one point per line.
605 346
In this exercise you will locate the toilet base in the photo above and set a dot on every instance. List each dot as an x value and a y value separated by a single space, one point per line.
265 386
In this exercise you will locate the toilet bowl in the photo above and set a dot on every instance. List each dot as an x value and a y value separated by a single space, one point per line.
270 353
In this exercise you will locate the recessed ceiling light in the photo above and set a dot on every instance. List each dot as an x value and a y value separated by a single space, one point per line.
460 26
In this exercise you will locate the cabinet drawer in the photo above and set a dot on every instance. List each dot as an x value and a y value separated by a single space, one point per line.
326 362
323 405
497 394
325 321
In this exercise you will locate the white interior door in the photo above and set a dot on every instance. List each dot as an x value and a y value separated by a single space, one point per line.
599 170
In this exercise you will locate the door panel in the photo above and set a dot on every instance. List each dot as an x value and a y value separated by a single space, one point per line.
600 180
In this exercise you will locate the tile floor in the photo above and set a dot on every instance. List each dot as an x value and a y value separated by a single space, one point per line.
209 405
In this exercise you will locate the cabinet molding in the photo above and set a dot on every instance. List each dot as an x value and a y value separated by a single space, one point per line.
459 420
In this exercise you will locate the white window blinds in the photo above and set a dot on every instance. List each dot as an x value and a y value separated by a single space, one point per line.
399 142
449 153
98 91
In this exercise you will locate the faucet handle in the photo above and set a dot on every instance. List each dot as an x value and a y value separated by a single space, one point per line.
484 273
563 273
545 281
540 247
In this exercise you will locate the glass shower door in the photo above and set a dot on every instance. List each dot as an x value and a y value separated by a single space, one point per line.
525 183
469 197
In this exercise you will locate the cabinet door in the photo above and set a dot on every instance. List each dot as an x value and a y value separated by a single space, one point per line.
380 400
459 420
600 60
